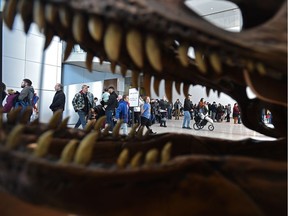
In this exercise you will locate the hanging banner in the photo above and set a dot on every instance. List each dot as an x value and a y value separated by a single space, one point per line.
133 97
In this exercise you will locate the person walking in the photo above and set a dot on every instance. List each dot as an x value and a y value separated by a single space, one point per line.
177 107
228 113
122 113
82 103
236 113
188 107
58 102
146 114
112 103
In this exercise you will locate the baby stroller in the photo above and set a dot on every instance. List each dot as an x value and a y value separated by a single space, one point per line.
201 120
163 119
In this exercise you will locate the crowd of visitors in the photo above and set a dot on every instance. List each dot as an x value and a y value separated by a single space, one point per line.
116 108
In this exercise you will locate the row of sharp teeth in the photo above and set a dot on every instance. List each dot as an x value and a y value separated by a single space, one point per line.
82 155
53 124
111 37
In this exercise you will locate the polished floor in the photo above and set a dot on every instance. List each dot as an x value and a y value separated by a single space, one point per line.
223 130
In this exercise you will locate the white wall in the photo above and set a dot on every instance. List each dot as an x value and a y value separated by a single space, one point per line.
22 58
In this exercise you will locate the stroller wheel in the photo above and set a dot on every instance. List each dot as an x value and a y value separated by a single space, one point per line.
196 126
211 127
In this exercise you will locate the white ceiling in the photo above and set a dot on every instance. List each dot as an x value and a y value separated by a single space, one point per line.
207 7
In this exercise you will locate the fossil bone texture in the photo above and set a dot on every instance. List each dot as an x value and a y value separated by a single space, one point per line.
89 172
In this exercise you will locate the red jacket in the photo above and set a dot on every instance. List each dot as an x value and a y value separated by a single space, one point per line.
9 102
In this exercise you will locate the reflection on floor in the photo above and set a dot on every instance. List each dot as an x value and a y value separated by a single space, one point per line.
223 130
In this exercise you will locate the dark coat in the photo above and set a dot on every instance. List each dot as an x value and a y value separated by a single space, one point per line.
112 103
58 101
188 105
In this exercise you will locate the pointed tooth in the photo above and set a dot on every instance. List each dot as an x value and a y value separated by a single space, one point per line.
64 17
105 131
10 13
89 126
216 63
39 14
123 159
68 49
135 161
140 132
25 117
186 89
89 61
200 62
183 54
166 153
51 13
55 120
43 143
156 85
95 27
68 152
112 41
113 67
134 47
123 70
14 136
178 87
147 83
151 157
250 66
208 91
261 69
153 53
135 77
35 122
218 94
101 59
48 37
85 149
229 61
25 9
13 115
133 132
63 124
99 123
116 129
78 27
168 89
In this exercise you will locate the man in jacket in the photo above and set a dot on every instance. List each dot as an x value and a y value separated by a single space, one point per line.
122 113
82 103
59 98
112 104
25 98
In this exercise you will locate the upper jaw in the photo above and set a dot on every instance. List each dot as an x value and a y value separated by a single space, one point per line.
153 37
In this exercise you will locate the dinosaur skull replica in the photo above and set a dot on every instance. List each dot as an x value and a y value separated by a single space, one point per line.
89 172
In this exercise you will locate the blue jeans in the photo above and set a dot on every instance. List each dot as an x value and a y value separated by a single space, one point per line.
187 118
81 120
109 119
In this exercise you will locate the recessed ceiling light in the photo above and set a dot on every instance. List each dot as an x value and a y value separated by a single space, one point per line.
211 8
